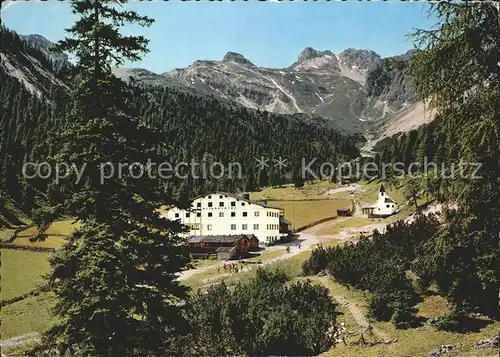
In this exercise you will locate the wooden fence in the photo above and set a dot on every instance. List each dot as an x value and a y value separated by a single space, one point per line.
303 199
16 232
323 220
37 291
26 247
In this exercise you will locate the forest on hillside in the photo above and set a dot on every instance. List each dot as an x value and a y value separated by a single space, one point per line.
456 71
194 128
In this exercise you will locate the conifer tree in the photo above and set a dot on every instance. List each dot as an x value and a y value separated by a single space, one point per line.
115 279
457 70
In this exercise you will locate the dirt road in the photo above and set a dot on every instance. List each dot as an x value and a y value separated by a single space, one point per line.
307 239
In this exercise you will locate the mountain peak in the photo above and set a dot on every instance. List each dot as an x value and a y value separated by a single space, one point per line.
361 59
310 52
236 57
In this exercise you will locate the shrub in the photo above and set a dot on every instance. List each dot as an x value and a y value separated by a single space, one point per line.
266 316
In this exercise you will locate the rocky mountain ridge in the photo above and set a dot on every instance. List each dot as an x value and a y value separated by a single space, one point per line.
318 83
356 89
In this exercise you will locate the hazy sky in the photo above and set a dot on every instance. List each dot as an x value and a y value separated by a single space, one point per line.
270 34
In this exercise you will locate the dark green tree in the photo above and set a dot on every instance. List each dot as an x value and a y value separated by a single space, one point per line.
115 279
457 70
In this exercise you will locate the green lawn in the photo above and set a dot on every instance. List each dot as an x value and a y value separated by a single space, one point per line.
33 314
5 234
302 213
22 271
351 222
199 263
55 242
58 228
56 234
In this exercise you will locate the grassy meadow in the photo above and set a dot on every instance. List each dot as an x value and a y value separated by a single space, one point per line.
341 224
302 213
33 314
311 190
22 271
56 235
57 228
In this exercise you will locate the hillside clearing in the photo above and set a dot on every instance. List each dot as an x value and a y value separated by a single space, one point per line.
336 226
303 213
311 190
22 271
57 228
33 314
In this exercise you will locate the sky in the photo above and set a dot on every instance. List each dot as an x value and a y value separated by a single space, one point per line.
270 34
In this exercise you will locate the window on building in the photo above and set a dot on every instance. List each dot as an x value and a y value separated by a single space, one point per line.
221 204
198 214
256 227
177 215
244 227
187 215
210 204
221 214
233 214
198 204
387 206
209 214
245 214
233 227
256 213
209 227
233 204
220 196
209 197
242 203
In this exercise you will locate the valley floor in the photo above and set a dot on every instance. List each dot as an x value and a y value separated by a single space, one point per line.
23 321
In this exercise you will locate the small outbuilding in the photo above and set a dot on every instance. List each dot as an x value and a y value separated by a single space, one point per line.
226 253
344 212
227 246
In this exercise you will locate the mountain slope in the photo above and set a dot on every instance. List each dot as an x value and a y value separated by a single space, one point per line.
195 127
355 89
28 62
319 83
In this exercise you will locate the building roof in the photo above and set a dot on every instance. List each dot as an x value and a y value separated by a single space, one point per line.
229 238
225 249
259 203
252 237
241 198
